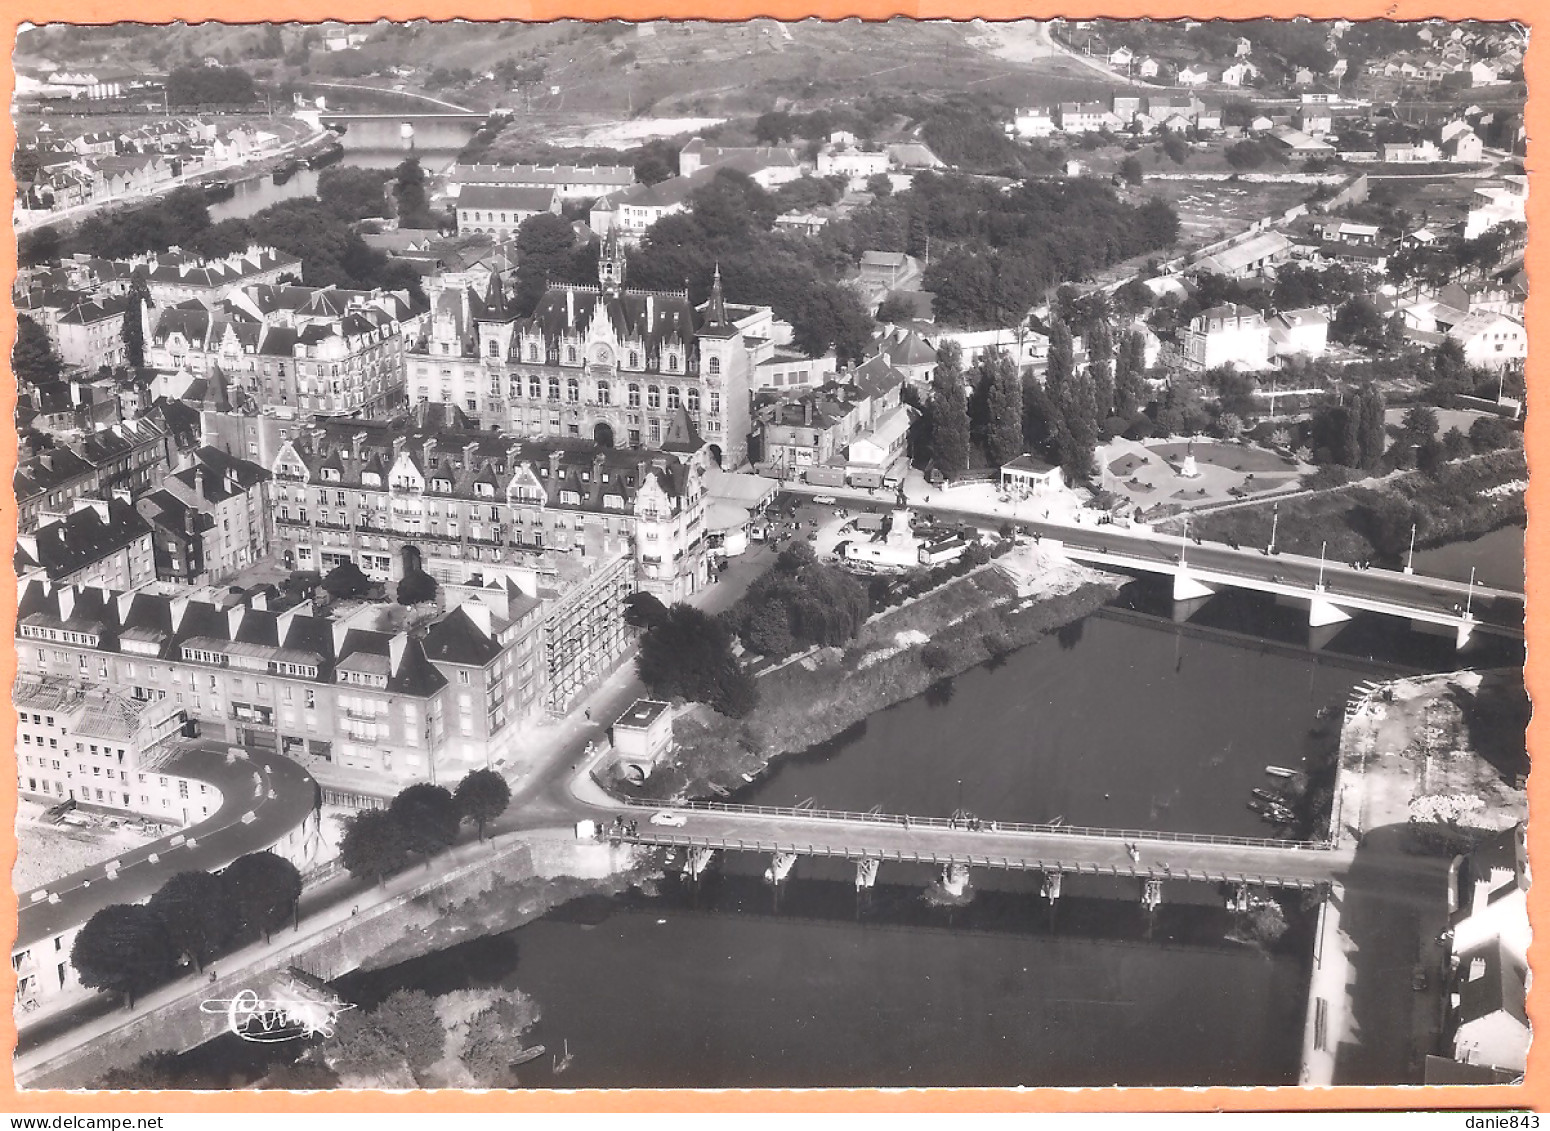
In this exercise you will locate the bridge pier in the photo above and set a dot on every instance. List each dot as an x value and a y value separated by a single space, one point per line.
1322 612
1187 587
780 867
1151 894
1238 900
698 860
866 873
1466 630
955 879
1320 635
1051 885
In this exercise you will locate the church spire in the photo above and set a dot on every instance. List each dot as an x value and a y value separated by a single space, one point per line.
716 309
611 264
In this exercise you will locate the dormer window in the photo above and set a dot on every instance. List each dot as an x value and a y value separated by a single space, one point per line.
441 484
330 475
672 363
495 349
484 489
634 360
532 355
371 479
570 354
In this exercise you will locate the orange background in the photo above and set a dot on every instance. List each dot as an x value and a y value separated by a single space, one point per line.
1532 1094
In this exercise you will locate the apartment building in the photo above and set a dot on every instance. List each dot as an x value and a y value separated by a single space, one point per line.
352 698
97 542
465 501
210 519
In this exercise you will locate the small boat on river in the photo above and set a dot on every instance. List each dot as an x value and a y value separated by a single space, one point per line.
527 1055
1280 772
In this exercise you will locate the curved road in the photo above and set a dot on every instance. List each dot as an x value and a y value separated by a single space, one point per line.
262 798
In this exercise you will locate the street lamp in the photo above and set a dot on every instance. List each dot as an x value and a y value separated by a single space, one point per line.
1322 547
1410 564
1184 542
1469 597
1275 520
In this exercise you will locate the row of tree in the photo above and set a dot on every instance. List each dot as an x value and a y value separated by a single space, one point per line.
192 919
421 821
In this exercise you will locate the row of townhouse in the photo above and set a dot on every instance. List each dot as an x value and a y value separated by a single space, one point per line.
461 502
364 705
174 276
87 333
202 523
132 455
604 364
322 351
1124 111
852 431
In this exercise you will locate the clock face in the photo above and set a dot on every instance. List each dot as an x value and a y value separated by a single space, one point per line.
603 355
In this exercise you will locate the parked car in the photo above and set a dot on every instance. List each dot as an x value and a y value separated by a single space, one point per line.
672 820
825 500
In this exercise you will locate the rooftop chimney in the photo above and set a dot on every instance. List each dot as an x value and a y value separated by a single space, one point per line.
470 450
399 443
234 617
66 601
199 480
430 453
570 308
355 445
124 601
554 463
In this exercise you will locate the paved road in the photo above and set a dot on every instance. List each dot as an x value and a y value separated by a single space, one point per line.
276 791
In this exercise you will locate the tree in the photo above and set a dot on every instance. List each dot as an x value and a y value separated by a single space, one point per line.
1455 445
353 194
895 309
766 629
1130 169
124 948
264 890
878 184
1004 436
1450 368
644 610
1100 351
1420 422
689 655
416 586
492 1038
482 796
429 817
1129 375
1374 434
1488 433
41 245
374 845
407 1018
409 194
133 329
346 580
949 412
32 357
197 912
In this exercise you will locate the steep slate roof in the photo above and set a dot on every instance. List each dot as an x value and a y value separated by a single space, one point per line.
1500 986
82 539
149 617
456 639
514 198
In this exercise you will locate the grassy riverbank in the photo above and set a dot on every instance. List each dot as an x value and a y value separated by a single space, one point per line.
1466 500
899 654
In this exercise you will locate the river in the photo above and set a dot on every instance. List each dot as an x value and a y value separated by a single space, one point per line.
368 144
1497 559
1124 719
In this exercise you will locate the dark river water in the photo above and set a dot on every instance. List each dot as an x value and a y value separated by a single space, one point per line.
1124 719
373 144
1497 559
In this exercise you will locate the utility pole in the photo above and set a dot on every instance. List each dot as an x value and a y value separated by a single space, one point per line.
1469 598
1410 563
1322 547
1275 519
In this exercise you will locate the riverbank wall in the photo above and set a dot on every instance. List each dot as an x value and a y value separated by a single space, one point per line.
900 654
493 887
